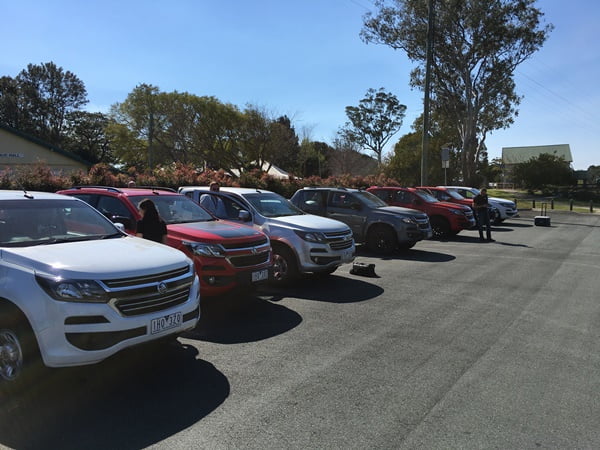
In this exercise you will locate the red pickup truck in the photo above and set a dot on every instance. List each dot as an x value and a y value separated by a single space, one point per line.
446 218
225 254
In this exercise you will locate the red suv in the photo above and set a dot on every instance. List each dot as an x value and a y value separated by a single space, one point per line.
226 254
445 194
446 218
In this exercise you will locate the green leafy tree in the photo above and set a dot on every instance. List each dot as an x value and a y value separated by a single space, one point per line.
593 174
544 171
86 136
374 121
10 103
48 94
136 121
478 44
39 100
285 144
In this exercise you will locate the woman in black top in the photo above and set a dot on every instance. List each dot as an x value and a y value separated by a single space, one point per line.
151 226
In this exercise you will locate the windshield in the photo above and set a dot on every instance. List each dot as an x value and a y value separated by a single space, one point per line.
176 208
427 197
371 200
455 195
270 204
24 223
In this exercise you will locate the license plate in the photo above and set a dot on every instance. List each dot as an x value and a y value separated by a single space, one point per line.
166 322
260 275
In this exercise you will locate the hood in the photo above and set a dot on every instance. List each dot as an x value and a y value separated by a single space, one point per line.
453 205
399 211
500 200
216 230
100 259
308 222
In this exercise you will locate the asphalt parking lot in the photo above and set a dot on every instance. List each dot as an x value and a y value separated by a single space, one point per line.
453 344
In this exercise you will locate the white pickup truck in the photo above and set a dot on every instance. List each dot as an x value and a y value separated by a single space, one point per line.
75 289
302 243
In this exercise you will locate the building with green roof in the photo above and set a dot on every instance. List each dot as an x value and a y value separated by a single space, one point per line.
511 156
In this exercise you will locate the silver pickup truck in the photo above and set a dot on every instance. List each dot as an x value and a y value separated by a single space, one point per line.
383 228
302 243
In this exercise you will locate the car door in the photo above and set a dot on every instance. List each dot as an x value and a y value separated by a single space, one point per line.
345 207
226 207
312 202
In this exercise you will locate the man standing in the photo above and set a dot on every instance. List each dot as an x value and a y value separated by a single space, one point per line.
481 206
213 202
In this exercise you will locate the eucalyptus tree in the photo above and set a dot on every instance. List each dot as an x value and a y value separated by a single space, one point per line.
374 121
39 100
477 46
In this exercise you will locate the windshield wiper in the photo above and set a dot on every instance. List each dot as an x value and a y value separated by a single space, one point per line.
112 236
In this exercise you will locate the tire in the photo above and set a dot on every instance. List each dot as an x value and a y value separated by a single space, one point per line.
382 239
497 218
19 353
285 267
440 227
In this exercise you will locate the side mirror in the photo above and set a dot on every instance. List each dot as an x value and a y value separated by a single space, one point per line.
120 226
244 216
124 221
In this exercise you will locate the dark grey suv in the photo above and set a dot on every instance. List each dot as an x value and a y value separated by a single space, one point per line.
383 228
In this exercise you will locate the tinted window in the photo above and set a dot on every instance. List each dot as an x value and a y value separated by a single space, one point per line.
270 204
175 208
32 222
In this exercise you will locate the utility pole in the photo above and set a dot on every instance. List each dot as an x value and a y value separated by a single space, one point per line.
429 50
150 140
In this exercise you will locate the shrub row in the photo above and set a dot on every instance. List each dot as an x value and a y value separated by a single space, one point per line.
40 177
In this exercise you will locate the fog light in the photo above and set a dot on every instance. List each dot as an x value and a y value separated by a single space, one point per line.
212 280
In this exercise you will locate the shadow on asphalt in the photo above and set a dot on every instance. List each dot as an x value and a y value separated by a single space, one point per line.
556 222
517 224
135 399
332 289
414 254
242 317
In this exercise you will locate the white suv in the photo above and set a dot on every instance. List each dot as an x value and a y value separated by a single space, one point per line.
503 209
75 289
302 243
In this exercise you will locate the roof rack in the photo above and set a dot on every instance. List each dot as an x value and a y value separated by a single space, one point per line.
154 188
108 188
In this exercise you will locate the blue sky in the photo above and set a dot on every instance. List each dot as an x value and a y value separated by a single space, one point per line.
300 58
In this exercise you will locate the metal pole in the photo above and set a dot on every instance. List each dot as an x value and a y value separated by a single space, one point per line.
429 50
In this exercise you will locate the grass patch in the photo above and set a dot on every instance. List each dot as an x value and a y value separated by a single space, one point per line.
526 200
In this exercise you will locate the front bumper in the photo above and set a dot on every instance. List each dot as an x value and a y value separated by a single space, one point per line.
316 257
87 333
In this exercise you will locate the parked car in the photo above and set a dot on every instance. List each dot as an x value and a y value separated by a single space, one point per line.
383 228
503 209
75 289
449 195
302 243
446 218
226 254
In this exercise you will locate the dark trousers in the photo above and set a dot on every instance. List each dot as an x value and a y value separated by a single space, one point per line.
483 218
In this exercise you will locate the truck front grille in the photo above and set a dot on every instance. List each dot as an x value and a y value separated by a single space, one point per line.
249 260
339 240
148 294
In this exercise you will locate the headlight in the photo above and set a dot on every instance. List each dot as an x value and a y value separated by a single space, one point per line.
73 290
458 212
312 236
202 249
408 220
507 205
